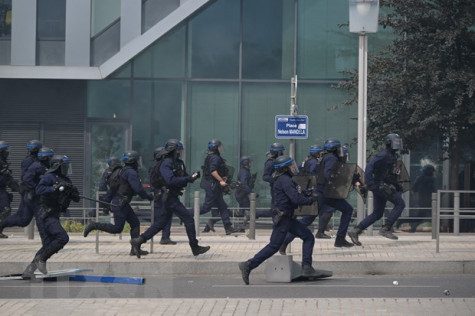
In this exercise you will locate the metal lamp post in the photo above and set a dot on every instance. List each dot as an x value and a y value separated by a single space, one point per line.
363 20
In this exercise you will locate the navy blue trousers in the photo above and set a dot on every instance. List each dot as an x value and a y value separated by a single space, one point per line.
379 204
277 238
163 215
214 198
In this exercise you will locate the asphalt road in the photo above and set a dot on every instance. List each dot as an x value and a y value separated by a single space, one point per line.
455 286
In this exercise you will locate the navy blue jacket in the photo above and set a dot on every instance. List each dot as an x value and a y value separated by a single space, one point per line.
131 177
215 163
268 171
310 165
175 175
380 168
25 164
327 164
286 196
32 175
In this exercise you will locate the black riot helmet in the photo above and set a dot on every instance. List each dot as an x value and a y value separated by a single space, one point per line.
174 147
394 142
59 163
214 144
245 161
158 153
276 150
283 164
113 161
315 150
45 154
131 158
4 149
333 145
33 146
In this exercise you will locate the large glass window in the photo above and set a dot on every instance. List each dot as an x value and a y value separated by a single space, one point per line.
261 102
212 113
51 30
324 48
5 18
267 40
103 14
109 99
214 41
165 59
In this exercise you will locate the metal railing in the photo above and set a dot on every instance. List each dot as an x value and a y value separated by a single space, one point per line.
455 211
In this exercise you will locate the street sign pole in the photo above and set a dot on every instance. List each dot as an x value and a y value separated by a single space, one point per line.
293 111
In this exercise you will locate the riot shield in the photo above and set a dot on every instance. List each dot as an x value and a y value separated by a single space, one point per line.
306 182
403 178
339 183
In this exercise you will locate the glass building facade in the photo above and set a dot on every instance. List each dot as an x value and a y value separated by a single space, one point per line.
225 73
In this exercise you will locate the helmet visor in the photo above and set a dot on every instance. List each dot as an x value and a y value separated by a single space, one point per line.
396 144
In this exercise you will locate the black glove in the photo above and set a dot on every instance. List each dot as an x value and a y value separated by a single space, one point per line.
314 197
150 197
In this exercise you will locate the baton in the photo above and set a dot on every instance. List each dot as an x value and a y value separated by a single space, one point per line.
61 188
94 200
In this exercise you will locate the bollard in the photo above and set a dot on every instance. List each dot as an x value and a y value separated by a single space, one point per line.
97 220
456 213
196 212
152 219
252 217
434 217
369 202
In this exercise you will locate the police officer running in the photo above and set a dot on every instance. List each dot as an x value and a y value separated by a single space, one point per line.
381 178
246 185
154 177
286 198
113 164
173 178
329 162
56 192
215 173
275 150
130 185
6 180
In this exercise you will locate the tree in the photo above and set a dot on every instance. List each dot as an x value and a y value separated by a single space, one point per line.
422 84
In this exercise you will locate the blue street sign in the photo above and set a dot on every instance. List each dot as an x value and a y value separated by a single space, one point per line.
291 126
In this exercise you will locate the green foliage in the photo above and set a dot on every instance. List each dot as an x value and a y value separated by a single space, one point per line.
422 84
72 226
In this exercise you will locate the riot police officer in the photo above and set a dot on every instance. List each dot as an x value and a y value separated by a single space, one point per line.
286 199
275 150
310 164
381 178
113 163
246 185
173 178
154 176
215 173
56 192
6 180
334 155
129 186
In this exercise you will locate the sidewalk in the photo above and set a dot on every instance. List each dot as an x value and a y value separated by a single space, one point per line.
411 254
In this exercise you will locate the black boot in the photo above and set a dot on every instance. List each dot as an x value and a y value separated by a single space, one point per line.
340 241
2 235
322 235
142 252
89 227
136 244
29 273
309 272
385 231
245 271
199 250
323 221
207 229
354 233
40 264
230 230
167 241
283 248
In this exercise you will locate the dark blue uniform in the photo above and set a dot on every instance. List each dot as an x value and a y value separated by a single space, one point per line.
53 203
287 199
267 177
176 179
5 197
378 172
328 163
214 192
31 171
244 189
167 229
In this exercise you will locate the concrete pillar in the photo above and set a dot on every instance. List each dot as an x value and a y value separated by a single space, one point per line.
23 47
